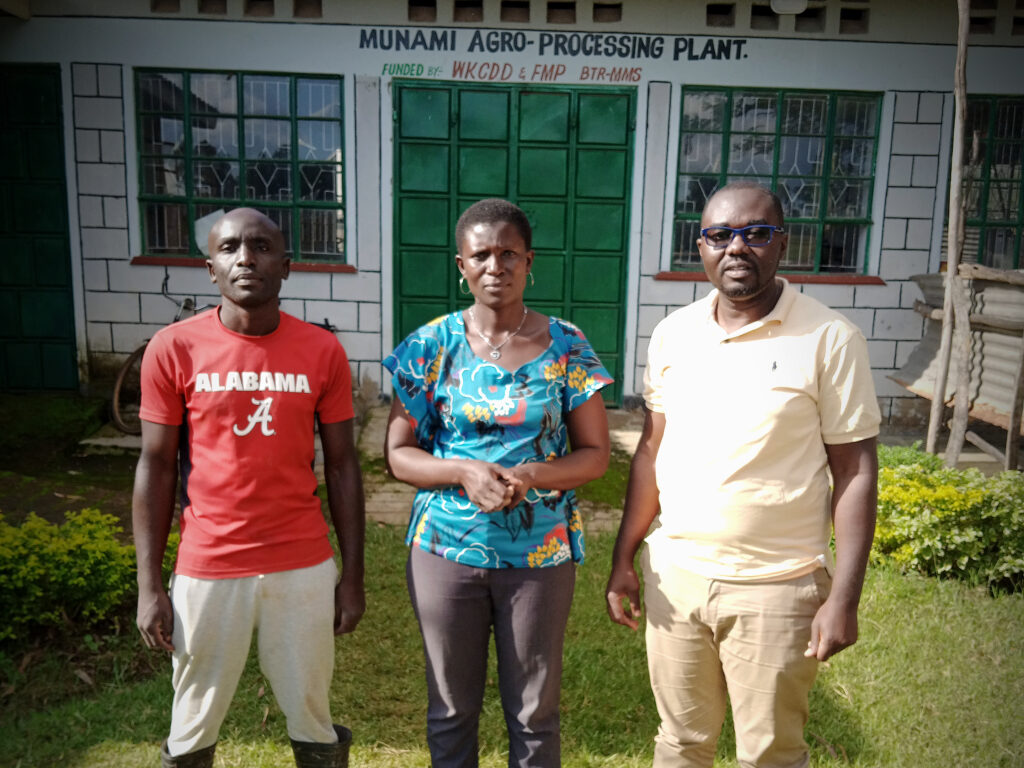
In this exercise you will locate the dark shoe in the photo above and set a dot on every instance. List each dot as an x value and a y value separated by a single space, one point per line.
311 754
202 758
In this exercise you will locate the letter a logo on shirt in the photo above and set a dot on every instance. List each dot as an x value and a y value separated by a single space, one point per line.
261 417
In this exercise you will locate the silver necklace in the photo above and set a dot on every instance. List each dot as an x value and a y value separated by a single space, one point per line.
495 352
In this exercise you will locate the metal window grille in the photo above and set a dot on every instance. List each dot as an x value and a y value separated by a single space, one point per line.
212 141
816 149
993 169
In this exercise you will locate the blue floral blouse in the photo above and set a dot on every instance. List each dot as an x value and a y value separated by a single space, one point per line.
464 407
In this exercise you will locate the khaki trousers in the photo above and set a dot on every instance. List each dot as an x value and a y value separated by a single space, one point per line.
292 613
710 640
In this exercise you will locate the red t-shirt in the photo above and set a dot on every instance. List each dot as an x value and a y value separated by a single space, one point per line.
249 403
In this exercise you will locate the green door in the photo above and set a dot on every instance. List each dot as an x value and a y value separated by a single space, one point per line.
37 325
562 154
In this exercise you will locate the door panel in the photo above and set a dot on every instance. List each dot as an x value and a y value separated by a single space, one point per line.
563 154
424 168
483 171
37 324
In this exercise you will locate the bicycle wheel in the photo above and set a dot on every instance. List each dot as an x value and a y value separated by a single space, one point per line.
128 394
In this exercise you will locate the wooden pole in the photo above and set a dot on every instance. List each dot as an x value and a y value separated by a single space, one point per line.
955 237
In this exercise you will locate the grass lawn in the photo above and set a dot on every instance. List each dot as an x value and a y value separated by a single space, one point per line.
937 679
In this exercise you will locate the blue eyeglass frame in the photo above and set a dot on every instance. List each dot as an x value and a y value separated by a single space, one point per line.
742 232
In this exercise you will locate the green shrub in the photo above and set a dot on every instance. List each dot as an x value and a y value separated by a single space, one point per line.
948 522
900 455
79 572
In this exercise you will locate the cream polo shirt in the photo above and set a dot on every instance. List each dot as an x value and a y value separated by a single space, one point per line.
742 471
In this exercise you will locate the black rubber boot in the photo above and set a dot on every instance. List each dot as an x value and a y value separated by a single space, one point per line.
201 758
311 754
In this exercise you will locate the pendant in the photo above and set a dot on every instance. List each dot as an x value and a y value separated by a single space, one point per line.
495 354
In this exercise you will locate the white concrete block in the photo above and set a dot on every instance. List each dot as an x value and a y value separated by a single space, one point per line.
371 370
189 281
98 112
926 171
370 317
901 169
115 212
360 286
342 314
111 307
881 353
900 265
906 108
362 346
929 109
307 285
877 295
864 319
700 290
910 202
638 381
648 316
903 352
83 78
90 211
835 296
915 139
101 179
138 278
98 337
105 244
128 336
884 386
909 293
108 80
894 233
94 275
898 324
155 309
112 146
87 146
294 307
643 346
919 234
665 291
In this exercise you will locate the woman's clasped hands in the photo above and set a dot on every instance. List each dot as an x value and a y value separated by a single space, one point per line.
491 486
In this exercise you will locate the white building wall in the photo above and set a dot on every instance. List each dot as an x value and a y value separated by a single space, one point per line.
122 305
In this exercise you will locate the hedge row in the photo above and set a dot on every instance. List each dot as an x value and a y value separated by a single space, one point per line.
949 522
938 521
77 574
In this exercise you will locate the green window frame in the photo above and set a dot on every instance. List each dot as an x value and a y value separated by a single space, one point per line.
816 149
993 168
209 141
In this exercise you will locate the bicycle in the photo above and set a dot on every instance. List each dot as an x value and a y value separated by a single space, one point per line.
128 385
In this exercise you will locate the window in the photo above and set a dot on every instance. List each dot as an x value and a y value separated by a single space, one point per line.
210 141
993 152
815 149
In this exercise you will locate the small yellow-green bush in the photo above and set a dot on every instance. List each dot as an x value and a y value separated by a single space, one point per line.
948 522
51 575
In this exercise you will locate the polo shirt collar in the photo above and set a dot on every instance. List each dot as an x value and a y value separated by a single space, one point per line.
776 317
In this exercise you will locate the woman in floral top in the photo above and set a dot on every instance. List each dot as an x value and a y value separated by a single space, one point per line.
485 402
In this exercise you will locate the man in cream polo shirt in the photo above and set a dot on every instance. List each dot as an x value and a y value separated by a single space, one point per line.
758 441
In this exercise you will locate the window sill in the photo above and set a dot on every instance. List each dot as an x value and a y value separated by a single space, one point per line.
836 279
188 261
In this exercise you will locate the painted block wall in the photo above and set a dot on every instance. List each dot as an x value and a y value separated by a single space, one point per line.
123 303
909 236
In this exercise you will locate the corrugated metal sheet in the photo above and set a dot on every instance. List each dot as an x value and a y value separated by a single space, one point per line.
995 356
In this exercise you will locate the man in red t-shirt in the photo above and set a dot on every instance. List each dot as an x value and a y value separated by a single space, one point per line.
232 396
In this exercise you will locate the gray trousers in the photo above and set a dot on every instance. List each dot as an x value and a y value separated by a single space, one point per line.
457 606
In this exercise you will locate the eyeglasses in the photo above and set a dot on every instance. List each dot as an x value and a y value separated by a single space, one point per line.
756 235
